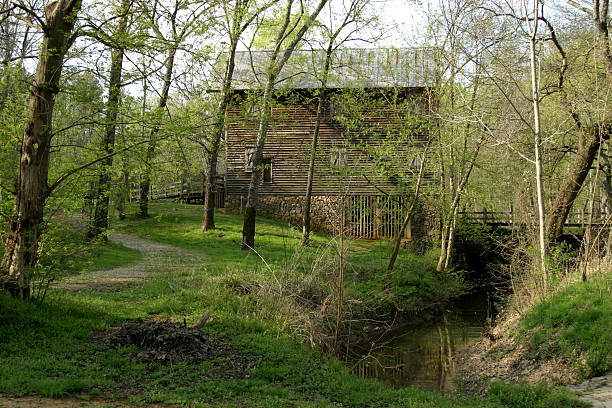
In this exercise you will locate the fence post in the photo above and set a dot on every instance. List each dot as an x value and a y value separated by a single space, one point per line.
484 215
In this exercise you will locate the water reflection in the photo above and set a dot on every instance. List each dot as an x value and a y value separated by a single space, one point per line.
423 356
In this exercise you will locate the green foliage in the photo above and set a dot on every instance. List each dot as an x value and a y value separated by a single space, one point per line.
576 323
538 396
477 233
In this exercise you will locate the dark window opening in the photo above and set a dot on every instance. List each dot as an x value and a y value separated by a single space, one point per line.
267 170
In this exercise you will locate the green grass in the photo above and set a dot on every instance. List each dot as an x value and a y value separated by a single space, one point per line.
414 284
46 349
64 251
109 256
539 396
575 323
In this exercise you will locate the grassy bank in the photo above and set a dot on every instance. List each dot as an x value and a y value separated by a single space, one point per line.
258 307
576 323
413 287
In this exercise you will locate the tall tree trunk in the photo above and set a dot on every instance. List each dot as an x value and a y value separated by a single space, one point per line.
274 68
145 184
535 96
588 145
311 172
208 222
450 218
25 225
315 139
99 223
250 213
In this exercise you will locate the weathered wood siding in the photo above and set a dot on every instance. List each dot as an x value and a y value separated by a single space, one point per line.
289 142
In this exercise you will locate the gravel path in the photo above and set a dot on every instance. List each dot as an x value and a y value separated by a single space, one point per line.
156 258
70 402
597 391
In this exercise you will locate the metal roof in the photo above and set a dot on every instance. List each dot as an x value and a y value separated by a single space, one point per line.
351 68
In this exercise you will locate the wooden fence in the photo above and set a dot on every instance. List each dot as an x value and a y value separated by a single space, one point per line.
375 217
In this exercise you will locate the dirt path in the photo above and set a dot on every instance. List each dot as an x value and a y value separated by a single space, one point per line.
71 402
597 391
156 257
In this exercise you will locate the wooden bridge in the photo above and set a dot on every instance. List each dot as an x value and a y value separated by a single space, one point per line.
577 218
186 191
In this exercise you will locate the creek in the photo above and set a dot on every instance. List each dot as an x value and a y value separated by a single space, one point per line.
422 355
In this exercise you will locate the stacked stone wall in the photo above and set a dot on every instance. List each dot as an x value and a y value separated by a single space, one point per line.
325 215
323 210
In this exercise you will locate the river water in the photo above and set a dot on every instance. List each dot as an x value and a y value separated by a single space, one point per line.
423 355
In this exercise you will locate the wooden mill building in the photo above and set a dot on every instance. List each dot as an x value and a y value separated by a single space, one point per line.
372 133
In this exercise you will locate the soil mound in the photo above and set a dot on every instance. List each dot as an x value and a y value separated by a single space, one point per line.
166 343
499 357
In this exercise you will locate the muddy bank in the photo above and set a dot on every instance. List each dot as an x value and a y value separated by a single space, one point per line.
498 356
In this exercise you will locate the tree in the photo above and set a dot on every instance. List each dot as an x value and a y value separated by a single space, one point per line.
32 190
591 133
289 26
351 17
178 34
101 200
532 24
238 19
455 107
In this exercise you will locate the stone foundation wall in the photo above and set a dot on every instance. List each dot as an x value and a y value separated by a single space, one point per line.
325 216
323 210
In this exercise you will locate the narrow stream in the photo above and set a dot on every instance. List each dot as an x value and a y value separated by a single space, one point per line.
423 355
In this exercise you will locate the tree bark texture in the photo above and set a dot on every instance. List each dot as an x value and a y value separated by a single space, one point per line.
25 225
145 184
588 145
208 221
99 223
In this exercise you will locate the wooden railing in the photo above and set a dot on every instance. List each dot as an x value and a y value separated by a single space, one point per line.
187 191
578 218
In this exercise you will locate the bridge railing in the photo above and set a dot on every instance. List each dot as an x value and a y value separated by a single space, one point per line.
189 190
576 218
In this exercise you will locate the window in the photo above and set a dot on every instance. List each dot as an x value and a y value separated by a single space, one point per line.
267 170
249 158
337 157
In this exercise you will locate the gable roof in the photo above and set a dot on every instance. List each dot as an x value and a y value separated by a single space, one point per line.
351 68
